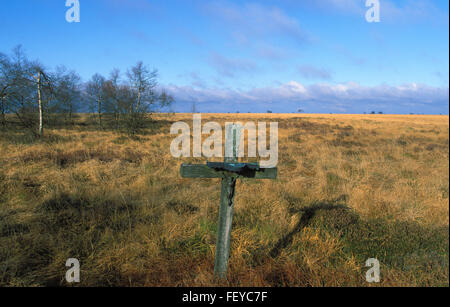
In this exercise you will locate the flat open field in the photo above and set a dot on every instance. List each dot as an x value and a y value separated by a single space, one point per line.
350 187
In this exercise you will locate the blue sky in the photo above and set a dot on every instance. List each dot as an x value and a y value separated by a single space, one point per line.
252 56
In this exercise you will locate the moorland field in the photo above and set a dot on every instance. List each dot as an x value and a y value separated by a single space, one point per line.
350 187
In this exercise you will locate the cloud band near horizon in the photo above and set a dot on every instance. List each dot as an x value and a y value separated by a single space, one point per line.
348 97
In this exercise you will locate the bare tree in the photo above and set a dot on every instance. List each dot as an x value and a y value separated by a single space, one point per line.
13 85
43 82
144 82
38 97
38 77
112 97
94 89
131 101
67 92
165 99
28 89
5 84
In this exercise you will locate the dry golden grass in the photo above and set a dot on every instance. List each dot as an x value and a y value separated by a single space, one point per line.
350 187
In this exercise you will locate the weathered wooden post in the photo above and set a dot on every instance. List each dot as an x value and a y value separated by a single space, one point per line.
230 170
233 132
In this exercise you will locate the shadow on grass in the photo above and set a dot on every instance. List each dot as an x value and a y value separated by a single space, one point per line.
305 220
66 226
87 228
406 246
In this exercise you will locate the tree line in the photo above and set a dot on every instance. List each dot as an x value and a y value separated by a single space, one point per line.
39 97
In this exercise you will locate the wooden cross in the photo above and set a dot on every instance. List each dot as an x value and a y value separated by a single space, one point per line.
230 170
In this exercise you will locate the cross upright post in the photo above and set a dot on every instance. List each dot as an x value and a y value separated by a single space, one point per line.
230 170
232 140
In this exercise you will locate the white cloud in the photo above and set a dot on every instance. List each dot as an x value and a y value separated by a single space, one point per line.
343 97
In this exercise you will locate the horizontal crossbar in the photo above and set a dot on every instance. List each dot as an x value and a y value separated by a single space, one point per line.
204 171
233 167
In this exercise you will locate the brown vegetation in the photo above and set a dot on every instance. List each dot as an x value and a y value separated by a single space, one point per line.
350 187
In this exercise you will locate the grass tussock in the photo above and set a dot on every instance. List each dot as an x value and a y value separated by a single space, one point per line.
349 188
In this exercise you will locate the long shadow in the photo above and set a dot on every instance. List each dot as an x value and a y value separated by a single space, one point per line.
305 220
